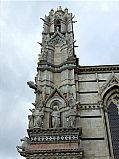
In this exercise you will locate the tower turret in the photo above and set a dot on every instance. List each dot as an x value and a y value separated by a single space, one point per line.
52 124
75 114
57 37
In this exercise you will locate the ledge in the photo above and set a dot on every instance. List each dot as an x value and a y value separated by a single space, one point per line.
100 68
59 135
48 154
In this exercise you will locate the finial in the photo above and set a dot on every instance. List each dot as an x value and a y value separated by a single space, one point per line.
66 10
51 11
60 8
40 43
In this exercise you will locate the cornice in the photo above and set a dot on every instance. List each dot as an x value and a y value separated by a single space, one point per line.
70 60
52 130
49 154
99 68
44 65
78 69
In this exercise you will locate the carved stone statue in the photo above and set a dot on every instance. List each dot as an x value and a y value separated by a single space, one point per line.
70 47
71 117
38 102
38 117
55 117
31 121
71 101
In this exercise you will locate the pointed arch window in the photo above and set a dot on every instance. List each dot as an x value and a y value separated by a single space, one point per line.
111 101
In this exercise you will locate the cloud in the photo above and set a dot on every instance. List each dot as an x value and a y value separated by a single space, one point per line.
105 7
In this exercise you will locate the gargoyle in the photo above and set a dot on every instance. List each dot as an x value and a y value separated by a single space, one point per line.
32 85
25 145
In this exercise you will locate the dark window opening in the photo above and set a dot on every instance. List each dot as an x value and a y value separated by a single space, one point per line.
113 117
57 26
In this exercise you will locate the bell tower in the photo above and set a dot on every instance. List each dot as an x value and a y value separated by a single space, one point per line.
52 129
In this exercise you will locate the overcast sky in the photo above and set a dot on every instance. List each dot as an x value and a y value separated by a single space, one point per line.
97 35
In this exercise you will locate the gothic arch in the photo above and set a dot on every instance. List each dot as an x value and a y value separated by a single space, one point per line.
112 81
110 95
111 103
56 100
57 38
56 106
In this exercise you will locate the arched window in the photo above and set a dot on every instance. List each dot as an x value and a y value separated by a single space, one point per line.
111 101
57 25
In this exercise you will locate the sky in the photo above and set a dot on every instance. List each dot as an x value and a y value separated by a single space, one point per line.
96 33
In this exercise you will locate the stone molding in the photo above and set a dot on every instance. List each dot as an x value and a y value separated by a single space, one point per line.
52 138
55 69
100 68
79 69
75 154
94 106
40 135
66 143
112 81
56 131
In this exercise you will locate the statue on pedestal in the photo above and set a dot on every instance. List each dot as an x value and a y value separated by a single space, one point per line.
55 117
31 121
71 117
36 119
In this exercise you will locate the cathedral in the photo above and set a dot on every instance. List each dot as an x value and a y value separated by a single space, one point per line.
75 114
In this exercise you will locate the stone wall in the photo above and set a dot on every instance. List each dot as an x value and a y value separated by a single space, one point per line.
91 116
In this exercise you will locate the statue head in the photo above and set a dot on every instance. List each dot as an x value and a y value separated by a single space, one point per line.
55 108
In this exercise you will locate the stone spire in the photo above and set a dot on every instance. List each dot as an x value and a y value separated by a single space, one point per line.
55 70
57 37
55 107
76 107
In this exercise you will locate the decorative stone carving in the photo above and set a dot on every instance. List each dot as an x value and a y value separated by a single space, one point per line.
71 100
58 155
55 116
112 80
25 145
71 117
31 121
36 119
33 86
39 101
71 48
